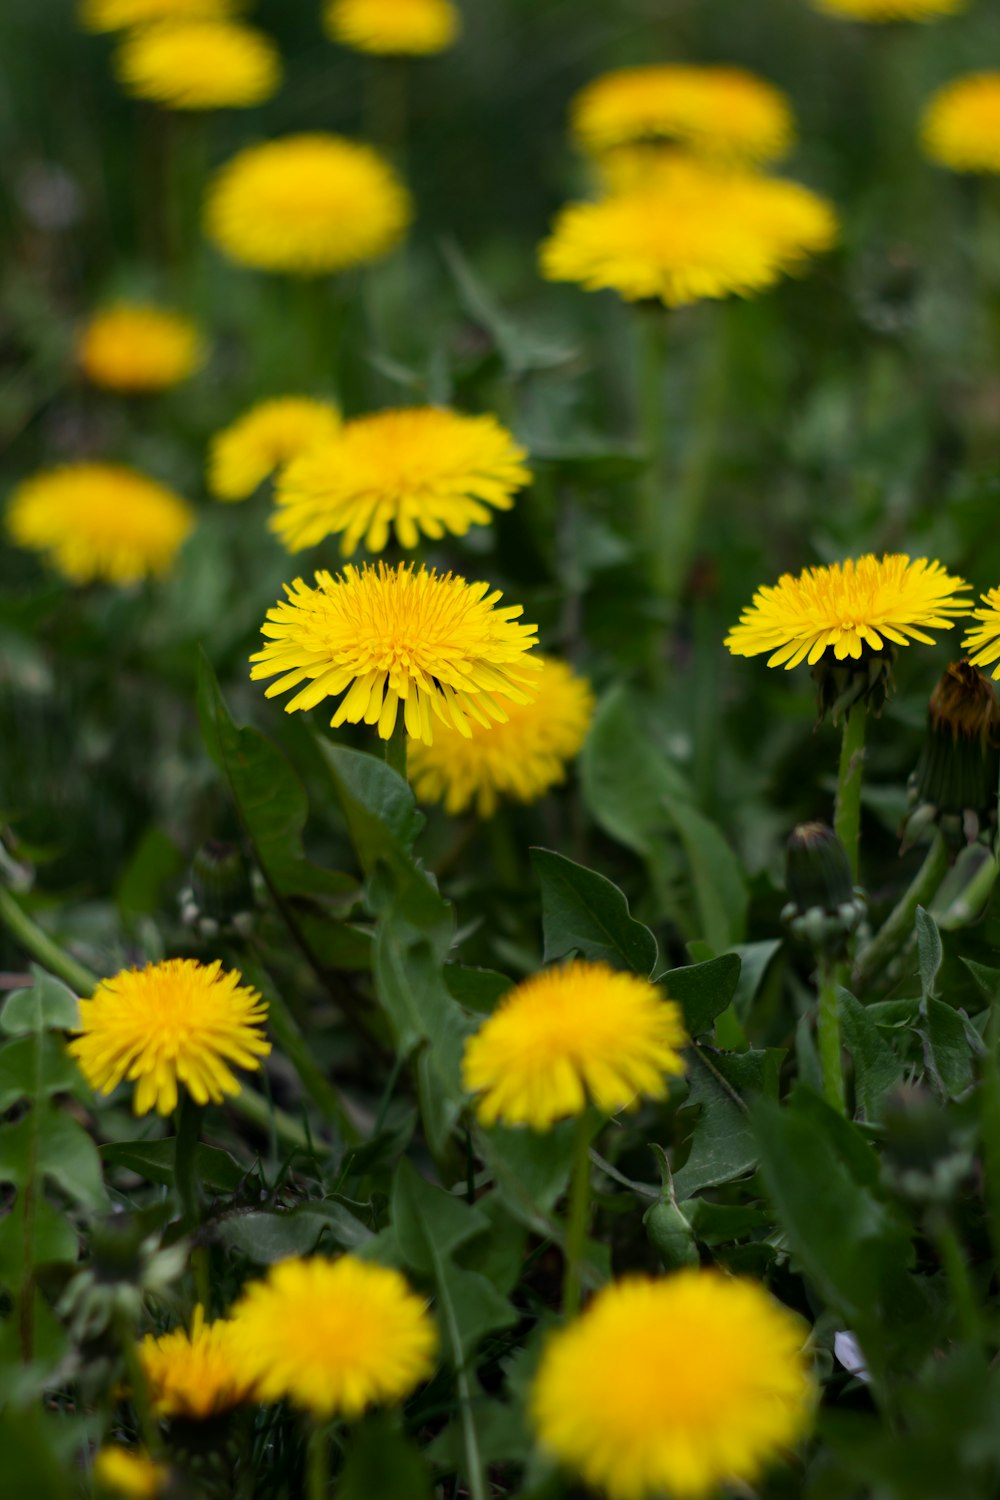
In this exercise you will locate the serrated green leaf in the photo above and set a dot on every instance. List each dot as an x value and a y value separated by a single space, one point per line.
930 951
948 1048
877 1068
381 1464
265 1237
50 1240
45 1143
585 912
154 1161
36 1067
531 1171
476 989
47 1006
721 1084
703 991
719 881
625 778
378 806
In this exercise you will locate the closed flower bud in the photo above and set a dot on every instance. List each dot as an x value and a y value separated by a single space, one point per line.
926 1153
825 908
219 896
954 786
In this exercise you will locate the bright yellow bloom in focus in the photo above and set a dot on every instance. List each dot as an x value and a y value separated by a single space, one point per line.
577 1033
194 1375
385 636
674 1386
394 27
333 1337
96 521
720 112
982 643
307 205
199 65
691 230
169 1023
265 438
417 469
138 348
520 760
961 125
116 15
891 10
133 1475
848 606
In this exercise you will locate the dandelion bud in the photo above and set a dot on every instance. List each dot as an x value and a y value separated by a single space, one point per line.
926 1155
825 908
219 896
955 783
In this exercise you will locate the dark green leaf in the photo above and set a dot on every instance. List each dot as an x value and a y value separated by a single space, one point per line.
719 882
475 989
626 778
948 1048
721 1083
154 1160
382 1465
703 991
47 1006
378 805
267 1237
584 912
35 1067
877 1068
45 1143
930 951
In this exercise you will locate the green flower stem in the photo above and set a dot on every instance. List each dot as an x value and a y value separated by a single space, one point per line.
395 747
942 1232
968 905
316 1462
682 517
149 1430
387 105
652 501
899 924
261 1113
186 1182
847 811
989 1083
43 948
577 1218
828 1035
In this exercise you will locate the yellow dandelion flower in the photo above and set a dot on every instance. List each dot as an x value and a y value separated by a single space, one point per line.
333 1337
691 230
95 521
194 1375
418 469
393 27
891 10
391 635
266 437
519 760
722 112
169 1023
307 205
132 1475
848 606
200 64
961 125
116 15
675 1385
138 348
982 642
579 1032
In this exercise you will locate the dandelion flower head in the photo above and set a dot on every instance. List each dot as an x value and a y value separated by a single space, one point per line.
99 522
582 1032
720 112
307 205
674 1385
890 10
116 15
196 1375
178 1022
133 1475
688 231
199 64
265 438
394 27
961 125
411 470
137 348
384 636
518 761
333 1336
982 642
847 606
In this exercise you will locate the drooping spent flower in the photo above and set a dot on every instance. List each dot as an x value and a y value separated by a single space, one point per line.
172 1023
517 761
255 446
334 1337
199 64
96 522
710 1384
393 27
577 1034
390 636
954 786
961 124
307 205
138 348
195 1375
413 470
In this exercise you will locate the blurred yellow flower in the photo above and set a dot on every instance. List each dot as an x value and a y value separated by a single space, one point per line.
138 348
418 27
169 1023
720 112
982 642
333 1337
417 469
99 522
132 1475
961 125
307 205
520 760
194 1375
265 438
432 642
678 1385
199 64
579 1033
891 10
692 230
848 606
116 15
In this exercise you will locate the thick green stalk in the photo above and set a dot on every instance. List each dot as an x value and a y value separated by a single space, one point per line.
847 810
395 747
899 923
989 1122
48 952
652 499
970 903
828 1035
967 1313
577 1218
149 1429
186 1182
316 1466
